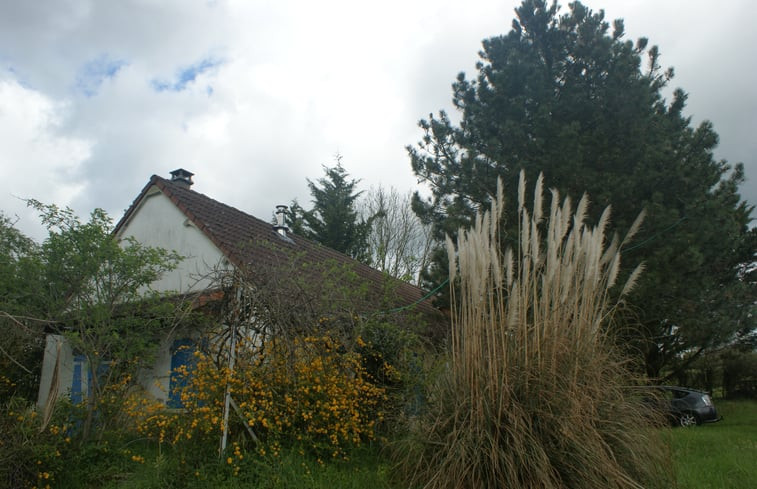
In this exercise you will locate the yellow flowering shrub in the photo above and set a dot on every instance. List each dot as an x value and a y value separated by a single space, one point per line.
310 393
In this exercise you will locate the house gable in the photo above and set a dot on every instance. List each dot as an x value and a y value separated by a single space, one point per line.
156 221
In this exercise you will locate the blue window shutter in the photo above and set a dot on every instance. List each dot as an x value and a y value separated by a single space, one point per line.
182 354
80 363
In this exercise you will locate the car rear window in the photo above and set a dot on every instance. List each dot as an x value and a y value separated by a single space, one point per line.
698 400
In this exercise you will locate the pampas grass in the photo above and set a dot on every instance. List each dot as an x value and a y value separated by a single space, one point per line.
532 393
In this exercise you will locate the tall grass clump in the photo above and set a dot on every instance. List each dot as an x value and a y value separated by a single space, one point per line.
532 392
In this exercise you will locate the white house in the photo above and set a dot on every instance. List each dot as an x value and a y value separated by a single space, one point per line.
167 213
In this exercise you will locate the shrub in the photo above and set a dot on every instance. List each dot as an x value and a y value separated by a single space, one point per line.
532 392
392 356
39 449
32 453
739 373
310 394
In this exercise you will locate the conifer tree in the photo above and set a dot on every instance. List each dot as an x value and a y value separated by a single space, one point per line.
334 220
567 95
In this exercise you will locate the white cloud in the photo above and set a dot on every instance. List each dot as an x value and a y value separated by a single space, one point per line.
37 161
257 95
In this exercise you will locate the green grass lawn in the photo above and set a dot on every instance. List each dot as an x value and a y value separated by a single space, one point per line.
366 469
719 455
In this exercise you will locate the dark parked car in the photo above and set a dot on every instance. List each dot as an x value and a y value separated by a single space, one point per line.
685 407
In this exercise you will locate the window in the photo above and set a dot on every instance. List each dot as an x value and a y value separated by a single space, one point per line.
182 355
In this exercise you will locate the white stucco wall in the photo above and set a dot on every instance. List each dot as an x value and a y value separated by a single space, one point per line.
158 222
58 354
156 380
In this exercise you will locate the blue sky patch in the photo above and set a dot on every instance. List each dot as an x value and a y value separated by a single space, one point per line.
185 75
94 72
15 75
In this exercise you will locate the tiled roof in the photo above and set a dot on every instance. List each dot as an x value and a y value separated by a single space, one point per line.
249 241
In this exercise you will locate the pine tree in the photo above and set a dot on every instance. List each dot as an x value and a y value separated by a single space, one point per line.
568 96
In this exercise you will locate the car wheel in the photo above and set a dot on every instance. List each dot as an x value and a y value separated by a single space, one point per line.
687 420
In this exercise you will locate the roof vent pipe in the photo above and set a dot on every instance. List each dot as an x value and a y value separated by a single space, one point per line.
182 178
280 227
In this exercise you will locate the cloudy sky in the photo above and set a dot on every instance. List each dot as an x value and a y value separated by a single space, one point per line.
255 96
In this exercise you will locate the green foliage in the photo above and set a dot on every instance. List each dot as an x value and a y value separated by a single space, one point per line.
30 456
568 96
17 254
334 220
393 355
739 373
97 294
21 339
730 372
299 296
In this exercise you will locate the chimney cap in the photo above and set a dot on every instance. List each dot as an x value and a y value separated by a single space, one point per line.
182 177
281 228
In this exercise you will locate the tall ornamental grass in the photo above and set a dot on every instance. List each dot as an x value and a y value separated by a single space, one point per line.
532 393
